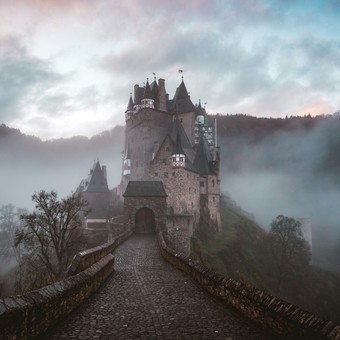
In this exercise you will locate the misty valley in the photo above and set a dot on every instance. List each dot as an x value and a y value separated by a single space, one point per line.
269 167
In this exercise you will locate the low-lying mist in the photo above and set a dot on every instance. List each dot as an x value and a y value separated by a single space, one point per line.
293 171
268 166
29 165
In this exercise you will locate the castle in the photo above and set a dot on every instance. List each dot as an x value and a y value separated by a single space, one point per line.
170 163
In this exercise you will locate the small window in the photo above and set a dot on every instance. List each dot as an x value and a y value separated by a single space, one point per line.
202 184
167 149
156 174
165 175
213 198
174 174
213 182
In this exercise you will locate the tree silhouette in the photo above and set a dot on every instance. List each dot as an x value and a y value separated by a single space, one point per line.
290 251
52 234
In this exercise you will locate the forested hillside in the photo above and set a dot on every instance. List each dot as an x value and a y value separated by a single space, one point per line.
245 252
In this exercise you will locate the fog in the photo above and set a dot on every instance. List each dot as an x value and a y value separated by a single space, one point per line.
267 172
29 165
294 173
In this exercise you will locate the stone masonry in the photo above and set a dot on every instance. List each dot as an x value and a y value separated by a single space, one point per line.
147 298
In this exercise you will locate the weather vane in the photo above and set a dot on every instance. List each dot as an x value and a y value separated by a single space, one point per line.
181 72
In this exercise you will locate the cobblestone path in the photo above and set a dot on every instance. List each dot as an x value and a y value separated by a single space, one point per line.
147 298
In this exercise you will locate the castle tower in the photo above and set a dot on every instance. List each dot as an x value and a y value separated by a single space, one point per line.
95 191
160 145
147 100
183 107
129 109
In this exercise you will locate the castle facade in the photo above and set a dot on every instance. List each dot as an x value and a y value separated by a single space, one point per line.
169 141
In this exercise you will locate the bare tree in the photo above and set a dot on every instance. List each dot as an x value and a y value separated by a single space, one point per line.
52 234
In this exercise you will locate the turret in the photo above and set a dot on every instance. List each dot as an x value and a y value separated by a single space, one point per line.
147 100
129 109
200 114
178 155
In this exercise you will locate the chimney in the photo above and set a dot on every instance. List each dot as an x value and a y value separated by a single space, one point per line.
136 97
104 171
162 97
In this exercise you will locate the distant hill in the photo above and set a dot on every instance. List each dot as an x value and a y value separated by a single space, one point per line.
29 164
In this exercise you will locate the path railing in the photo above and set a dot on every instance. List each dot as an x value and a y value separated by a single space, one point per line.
31 314
278 316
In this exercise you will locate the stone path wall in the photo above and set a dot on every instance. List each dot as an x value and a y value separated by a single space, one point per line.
147 298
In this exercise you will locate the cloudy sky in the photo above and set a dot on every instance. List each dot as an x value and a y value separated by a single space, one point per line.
67 67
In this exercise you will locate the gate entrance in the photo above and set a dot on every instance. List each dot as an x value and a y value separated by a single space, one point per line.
145 221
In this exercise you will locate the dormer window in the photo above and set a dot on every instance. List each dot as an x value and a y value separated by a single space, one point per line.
178 160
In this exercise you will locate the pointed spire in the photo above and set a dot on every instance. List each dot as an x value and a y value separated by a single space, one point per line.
200 111
130 104
147 90
178 149
181 92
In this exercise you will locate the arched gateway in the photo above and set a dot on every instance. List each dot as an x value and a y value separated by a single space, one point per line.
145 221
145 204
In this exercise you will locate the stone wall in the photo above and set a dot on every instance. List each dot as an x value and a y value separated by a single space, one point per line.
156 204
87 258
143 130
98 203
29 315
179 232
181 185
278 316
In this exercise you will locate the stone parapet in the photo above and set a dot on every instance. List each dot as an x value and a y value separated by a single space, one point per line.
31 314
278 316
87 258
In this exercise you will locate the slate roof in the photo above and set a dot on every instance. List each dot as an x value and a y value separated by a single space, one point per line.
154 89
200 111
145 189
178 149
95 181
182 102
176 128
203 158
130 104
147 91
